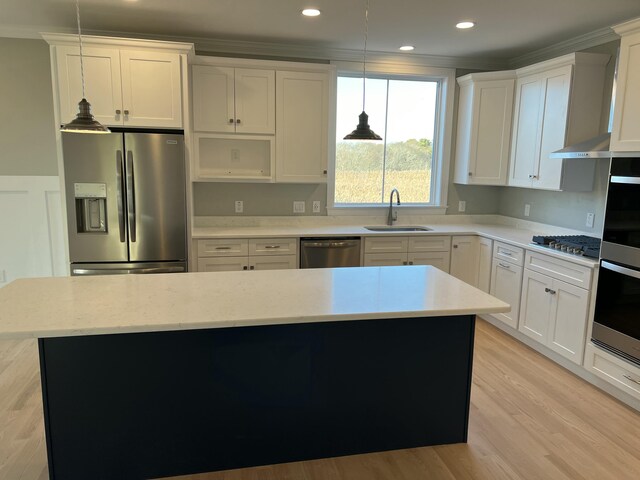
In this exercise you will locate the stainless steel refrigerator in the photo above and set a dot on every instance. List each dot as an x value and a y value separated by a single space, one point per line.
126 202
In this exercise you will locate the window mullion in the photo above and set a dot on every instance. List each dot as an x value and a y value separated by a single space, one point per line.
384 147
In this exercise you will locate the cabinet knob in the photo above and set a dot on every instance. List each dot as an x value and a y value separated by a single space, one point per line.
244 268
118 112
126 112
455 246
410 263
252 267
231 120
238 121
548 290
324 171
404 263
471 174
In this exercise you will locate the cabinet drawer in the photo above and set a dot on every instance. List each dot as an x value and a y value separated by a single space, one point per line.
272 262
386 245
439 260
223 247
429 244
384 259
222 264
614 370
273 246
559 269
508 253
506 284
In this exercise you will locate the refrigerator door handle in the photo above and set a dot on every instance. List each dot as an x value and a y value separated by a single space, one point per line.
131 197
120 195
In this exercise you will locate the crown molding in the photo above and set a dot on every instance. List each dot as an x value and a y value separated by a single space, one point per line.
581 42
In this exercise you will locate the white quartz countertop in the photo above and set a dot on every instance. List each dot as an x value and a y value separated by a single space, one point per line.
72 306
514 236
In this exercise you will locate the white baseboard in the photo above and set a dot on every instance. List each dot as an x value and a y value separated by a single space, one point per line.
32 229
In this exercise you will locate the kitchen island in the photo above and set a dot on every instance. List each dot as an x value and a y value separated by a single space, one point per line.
160 375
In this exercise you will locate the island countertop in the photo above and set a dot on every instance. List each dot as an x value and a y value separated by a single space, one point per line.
74 306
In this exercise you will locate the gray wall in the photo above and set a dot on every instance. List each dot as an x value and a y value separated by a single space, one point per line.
27 136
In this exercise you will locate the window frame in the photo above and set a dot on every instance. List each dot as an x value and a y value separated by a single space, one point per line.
442 138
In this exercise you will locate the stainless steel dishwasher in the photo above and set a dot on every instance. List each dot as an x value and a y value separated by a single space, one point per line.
330 252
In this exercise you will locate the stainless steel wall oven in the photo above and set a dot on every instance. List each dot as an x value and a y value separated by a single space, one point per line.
617 317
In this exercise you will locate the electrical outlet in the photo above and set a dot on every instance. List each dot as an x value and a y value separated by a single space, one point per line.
527 209
590 219
316 206
239 206
298 207
235 155
3 276
462 206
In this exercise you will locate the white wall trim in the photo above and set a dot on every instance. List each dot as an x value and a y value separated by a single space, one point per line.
32 244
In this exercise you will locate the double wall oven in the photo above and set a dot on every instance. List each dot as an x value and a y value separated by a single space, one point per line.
617 317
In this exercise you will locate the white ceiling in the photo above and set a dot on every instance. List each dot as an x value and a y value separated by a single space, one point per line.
505 28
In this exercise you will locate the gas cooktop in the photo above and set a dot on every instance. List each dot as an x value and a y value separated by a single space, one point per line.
572 244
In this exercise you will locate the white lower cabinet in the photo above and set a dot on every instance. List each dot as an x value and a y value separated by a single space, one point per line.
464 258
613 369
485 253
418 250
237 254
506 284
554 313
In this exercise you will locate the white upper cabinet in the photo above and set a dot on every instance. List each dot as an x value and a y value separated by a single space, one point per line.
302 116
233 100
557 103
151 89
625 134
102 83
485 109
129 83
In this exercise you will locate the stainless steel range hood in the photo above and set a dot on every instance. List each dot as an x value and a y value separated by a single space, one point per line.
597 147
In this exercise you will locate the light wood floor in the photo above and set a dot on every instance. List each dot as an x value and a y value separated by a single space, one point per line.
530 419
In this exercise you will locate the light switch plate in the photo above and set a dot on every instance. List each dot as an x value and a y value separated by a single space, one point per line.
316 206
590 219
298 207
462 206
527 209
239 206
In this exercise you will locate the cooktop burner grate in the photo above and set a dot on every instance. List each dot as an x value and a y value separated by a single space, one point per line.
574 244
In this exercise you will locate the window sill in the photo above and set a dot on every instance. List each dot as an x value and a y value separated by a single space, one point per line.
336 211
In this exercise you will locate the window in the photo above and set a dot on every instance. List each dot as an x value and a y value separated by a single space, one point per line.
409 112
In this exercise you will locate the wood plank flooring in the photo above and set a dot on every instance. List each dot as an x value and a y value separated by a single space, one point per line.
530 419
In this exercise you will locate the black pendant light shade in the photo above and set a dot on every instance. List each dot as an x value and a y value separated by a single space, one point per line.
363 131
84 121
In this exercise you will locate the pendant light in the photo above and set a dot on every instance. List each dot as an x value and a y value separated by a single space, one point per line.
363 131
84 121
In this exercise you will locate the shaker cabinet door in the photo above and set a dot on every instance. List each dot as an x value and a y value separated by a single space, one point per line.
103 89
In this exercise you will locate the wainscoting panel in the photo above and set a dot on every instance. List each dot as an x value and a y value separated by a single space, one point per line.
32 229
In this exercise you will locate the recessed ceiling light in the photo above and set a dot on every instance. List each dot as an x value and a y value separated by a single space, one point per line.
407 48
310 12
464 25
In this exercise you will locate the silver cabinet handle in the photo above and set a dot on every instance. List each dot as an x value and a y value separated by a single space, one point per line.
118 112
455 246
223 248
629 377
508 254
508 267
272 246
548 290
131 196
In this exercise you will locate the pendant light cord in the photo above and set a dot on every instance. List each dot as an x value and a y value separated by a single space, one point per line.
364 55
80 40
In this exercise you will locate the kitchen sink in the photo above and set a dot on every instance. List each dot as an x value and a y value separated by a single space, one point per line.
386 228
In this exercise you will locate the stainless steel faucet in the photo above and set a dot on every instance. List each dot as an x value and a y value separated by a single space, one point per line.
391 218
